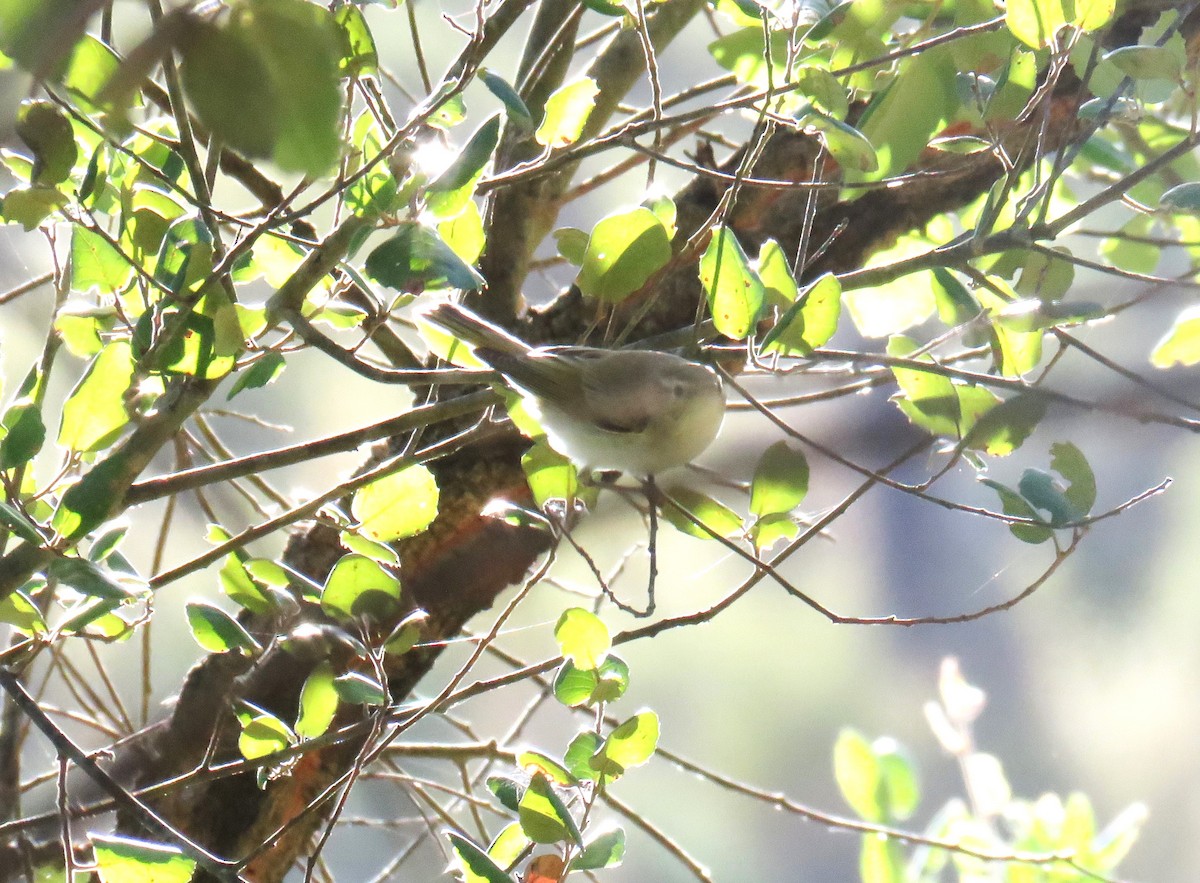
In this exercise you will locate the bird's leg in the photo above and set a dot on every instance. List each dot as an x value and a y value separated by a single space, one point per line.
652 545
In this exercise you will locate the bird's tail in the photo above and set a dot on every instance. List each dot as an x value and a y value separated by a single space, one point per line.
472 330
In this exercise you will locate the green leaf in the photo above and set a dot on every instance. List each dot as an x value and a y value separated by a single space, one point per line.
519 116
30 206
18 524
575 686
916 106
264 734
1016 506
551 476
449 193
267 81
374 549
928 399
567 112
1182 198
415 259
96 264
300 43
357 688
780 480
88 578
91 65
238 585
809 322
218 632
718 517
536 761
771 529
1147 62
846 144
125 860
358 587
318 702
1046 277
47 132
18 611
580 754
406 633
508 846
507 789
735 292
359 57
605 850
1005 427
881 860
776 275
544 817
1069 462
624 251
1043 492
228 82
856 770
1035 22
955 305
1017 352
24 433
582 637
204 342
464 233
571 243
398 505
474 863
1181 344
374 191
87 504
262 372
633 742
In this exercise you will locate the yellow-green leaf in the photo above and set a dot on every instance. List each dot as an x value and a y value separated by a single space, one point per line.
397 505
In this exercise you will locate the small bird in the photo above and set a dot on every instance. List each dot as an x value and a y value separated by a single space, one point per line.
634 411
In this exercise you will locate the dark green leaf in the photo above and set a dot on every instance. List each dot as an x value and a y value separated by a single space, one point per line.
1015 505
24 433
18 524
1069 462
415 259
507 790
263 371
1043 492
448 193
519 116
356 688
604 851
88 579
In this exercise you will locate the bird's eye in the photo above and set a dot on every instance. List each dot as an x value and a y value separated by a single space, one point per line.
679 390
